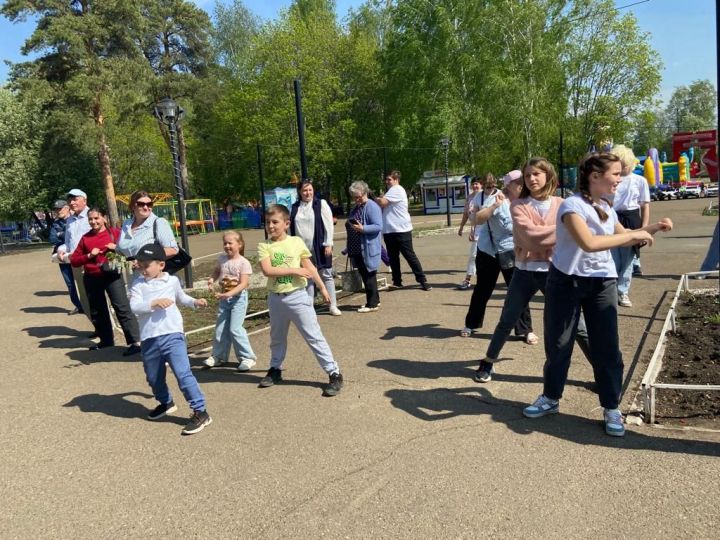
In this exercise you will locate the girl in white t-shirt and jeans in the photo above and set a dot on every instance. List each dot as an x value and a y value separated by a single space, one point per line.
232 272
583 275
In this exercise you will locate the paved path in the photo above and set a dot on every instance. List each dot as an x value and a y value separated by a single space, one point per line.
412 448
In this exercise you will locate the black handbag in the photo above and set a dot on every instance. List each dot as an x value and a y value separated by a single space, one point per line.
177 262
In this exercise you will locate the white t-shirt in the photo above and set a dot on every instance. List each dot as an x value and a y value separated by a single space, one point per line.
396 217
568 257
631 192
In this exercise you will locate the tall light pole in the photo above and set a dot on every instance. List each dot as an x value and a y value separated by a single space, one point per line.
445 142
170 113
301 129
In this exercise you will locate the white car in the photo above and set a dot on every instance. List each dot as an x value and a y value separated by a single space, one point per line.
712 190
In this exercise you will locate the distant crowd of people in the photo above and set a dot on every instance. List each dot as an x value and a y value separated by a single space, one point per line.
577 251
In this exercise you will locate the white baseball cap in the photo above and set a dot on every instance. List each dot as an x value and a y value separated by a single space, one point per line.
76 193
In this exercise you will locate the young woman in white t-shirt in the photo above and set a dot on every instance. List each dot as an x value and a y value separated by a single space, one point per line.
533 215
582 275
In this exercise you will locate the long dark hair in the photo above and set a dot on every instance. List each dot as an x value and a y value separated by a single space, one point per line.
594 162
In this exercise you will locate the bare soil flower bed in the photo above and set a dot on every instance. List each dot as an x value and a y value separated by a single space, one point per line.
692 356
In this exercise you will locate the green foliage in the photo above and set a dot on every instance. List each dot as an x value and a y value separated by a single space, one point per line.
20 143
693 108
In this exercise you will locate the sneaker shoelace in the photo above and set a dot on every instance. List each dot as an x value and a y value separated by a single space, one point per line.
613 417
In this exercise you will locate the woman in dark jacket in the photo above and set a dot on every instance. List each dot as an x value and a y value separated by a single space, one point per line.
311 219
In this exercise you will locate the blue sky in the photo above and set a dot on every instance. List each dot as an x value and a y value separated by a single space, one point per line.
682 32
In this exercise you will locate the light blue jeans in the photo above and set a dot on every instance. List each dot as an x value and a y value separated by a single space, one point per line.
712 259
623 257
229 329
171 348
297 307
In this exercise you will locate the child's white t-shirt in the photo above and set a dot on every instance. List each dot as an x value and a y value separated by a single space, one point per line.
568 257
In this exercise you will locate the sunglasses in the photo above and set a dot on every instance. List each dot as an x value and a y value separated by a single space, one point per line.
141 204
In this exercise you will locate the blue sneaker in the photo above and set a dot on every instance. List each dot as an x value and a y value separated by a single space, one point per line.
614 423
541 407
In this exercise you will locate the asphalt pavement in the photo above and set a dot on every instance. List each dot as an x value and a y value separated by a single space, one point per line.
411 448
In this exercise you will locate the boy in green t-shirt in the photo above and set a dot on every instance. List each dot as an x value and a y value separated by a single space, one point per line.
285 260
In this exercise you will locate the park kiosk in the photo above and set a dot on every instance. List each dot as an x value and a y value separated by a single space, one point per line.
434 197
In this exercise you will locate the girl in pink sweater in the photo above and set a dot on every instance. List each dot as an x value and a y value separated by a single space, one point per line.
533 214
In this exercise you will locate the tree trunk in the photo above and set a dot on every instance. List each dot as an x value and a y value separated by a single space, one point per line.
104 159
182 158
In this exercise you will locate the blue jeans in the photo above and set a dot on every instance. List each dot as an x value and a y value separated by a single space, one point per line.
229 329
523 286
171 348
712 259
597 297
69 279
623 257
297 307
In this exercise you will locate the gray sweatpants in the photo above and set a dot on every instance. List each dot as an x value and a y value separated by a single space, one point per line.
297 307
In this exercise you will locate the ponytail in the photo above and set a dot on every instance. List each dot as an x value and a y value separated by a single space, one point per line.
599 163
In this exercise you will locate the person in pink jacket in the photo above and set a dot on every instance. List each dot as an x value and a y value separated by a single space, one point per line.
533 215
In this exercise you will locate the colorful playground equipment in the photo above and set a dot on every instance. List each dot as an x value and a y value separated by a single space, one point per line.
657 170
199 213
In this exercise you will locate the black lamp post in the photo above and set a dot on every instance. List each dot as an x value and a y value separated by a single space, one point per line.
170 113
445 142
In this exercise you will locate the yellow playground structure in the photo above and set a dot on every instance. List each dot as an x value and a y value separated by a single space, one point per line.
199 213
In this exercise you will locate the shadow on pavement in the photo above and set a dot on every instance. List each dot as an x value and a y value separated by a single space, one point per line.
432 331
119 406
59 337
230 374
50 293
444 403
109 354
458 368
44 309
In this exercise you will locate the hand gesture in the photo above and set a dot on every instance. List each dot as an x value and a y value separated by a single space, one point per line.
111 246
200 302
325 295
162 303
328 251
303 272
499 198
94 252
665 224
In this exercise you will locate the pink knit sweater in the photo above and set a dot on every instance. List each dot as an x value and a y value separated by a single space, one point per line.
534 236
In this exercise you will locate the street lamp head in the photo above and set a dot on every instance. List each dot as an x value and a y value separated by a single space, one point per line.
445 141
168 111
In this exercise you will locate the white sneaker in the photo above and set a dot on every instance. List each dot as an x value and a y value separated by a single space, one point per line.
211 362
366 309
246 364
624 300
335 311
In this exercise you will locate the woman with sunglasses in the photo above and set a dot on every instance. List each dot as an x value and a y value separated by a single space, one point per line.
142 229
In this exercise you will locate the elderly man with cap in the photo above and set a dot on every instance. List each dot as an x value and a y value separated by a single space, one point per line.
61 209
77 226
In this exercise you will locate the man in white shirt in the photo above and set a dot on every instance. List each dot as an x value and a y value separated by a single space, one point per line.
397 232
77 226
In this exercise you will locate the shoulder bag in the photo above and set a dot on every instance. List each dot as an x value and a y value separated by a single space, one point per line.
506 259
177 262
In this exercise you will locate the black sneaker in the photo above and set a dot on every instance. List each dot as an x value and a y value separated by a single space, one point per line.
198 421
425 286
274 376
131 350
161 410
334 386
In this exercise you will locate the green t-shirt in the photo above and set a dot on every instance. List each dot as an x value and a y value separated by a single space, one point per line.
286 253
